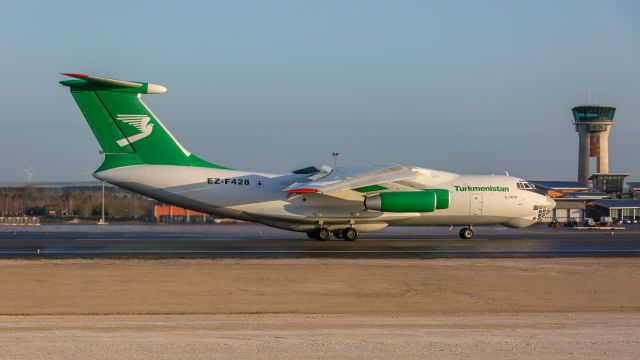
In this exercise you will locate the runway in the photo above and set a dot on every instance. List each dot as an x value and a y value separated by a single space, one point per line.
256 241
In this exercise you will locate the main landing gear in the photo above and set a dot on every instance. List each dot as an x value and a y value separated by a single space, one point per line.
466 233
350 234
323 234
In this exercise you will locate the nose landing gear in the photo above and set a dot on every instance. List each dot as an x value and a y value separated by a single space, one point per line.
466 233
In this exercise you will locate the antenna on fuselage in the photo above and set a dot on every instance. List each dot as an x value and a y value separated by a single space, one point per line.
336 155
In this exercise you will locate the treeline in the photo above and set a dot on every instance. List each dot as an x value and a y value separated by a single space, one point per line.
77 202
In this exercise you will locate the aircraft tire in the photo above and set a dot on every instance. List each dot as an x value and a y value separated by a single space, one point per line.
337 234
350 234
323 234
466 233
312 235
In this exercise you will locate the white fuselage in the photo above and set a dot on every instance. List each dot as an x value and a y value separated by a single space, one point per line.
259 197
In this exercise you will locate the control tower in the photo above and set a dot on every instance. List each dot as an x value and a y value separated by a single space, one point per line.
593 123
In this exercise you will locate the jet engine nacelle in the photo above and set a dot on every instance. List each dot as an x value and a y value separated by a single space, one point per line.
408 201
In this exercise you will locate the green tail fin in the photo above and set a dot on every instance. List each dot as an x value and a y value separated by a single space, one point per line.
127 131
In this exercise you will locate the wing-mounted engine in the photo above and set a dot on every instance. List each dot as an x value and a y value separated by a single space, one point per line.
409 201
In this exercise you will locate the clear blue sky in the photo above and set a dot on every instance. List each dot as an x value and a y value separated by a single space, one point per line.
465 86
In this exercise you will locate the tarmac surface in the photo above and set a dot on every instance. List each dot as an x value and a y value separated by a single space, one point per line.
256 241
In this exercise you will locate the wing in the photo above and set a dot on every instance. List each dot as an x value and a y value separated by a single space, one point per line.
354 178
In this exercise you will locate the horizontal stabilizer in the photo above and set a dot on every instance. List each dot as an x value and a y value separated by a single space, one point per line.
89 81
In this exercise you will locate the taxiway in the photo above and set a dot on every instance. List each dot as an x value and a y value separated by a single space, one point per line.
255 241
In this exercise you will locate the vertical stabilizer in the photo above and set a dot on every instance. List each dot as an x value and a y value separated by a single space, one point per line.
126 129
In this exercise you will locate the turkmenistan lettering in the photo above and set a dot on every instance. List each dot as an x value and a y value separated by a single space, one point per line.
481 188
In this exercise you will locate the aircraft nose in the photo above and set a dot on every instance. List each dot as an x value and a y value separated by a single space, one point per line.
550 202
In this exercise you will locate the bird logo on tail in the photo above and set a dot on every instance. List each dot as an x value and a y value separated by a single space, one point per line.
140 122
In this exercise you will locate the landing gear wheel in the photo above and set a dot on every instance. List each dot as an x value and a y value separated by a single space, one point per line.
466 233
312 235
323 234
337 234
350 234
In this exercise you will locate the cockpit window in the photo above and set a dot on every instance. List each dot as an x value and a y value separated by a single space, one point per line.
525 185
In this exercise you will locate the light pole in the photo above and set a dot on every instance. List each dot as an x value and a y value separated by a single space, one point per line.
102 222
29 172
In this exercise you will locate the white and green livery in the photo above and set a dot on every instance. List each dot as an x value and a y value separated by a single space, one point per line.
142 156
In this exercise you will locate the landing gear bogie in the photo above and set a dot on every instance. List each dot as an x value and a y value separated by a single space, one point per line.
466 233
322 234
350 234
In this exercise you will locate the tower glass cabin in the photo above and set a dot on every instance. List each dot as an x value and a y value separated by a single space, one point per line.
593 123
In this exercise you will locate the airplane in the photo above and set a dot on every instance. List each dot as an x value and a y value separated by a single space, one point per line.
142 156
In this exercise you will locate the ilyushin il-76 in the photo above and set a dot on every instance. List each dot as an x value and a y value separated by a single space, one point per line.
141 155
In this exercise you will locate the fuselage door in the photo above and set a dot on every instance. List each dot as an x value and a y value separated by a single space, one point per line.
476 205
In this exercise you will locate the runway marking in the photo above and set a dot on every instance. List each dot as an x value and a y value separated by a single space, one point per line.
264 239
323 251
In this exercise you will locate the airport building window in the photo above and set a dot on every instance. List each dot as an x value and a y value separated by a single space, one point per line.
608 183
614 213
625 214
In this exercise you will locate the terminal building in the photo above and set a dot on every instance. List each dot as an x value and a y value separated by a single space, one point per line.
165 213
597 194
634 190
